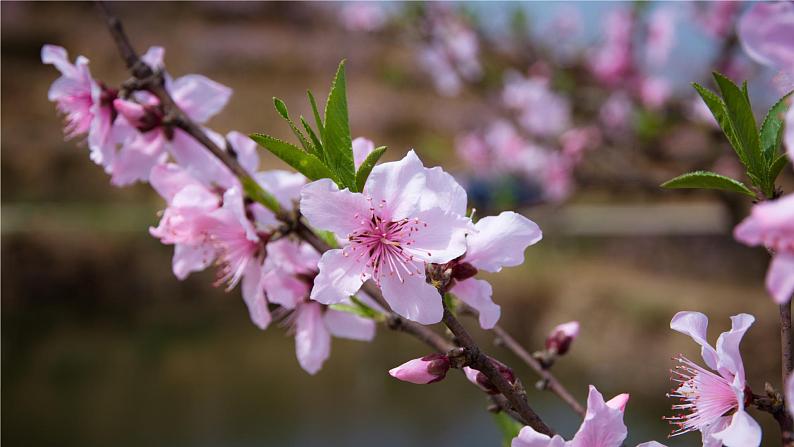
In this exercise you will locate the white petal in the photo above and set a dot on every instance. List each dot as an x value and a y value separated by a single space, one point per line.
477 294
398 186
328 208
500 241
412 298
441 190
743 431
440 236
347 325
340 276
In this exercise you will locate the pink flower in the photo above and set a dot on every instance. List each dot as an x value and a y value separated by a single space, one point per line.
289 269
717 20
362 147
428 369
530 95
766 31
714 401
602 427
498 241
363 16
654 92
612 62
576 141
407 216
560 338
661 35
452 55
771 224
86 104
152 139
616 111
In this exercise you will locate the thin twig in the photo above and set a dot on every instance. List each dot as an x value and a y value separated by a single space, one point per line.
153 82
546 376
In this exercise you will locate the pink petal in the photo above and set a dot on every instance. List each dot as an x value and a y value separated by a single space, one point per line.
500 241
189 259
789 394
603 425
780 277
285 186
743 431
340 276
132 111
59 57
200 97
199 162
137 157
695 324
350 326
397 187
421 371
441 236
362 147
154 57
254 295
788 137
477 294
168 179
292 257
729 357
284 289
328 208
412 298
528 437
619 402
443 191
245 150
766 31
312 341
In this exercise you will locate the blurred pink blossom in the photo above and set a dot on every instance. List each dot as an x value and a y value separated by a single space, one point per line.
611 62
766 32
363 16
541 111
661 35
616 111
717 19
451 55
654 92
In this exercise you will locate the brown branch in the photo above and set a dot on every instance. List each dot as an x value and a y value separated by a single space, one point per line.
153 82
550 382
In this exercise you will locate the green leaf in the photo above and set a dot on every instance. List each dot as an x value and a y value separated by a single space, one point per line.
305 163
367 165
772 128
328 237
743 122
776 166
281 108
707 180
317 119
508 426
356 307
318 145
720 113
258 194
337 143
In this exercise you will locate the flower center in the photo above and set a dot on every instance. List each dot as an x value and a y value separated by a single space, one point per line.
705 397
385 245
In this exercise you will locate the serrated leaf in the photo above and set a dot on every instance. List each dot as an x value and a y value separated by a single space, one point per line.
508 427
743 122
337 143
772 128
303 162
318 145
720 113
317 120
366 166
777 166
707 180
281 108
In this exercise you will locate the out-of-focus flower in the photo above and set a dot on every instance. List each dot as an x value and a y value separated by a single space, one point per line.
654 92
661 35
541 111
766 32
290 267
498 241
714 402
602 427
428 369
717 19
699 111
86 104
560 338
408 215
452 52
151 138
363 16
616 111
612 62
557 177
575 142
771 224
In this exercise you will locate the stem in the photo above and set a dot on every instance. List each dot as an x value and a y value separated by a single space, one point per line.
482 363
787 360
547 377
153 82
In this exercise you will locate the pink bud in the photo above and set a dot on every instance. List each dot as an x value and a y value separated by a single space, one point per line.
483 382
428 369
561 337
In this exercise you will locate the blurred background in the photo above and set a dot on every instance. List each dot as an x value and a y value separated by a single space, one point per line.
572 113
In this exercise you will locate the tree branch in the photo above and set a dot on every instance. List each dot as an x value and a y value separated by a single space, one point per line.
153 82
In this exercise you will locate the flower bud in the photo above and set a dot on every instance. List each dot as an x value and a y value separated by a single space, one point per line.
428 369
463 270
559 340
483 382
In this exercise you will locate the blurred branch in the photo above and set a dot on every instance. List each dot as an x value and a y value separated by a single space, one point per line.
151 80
